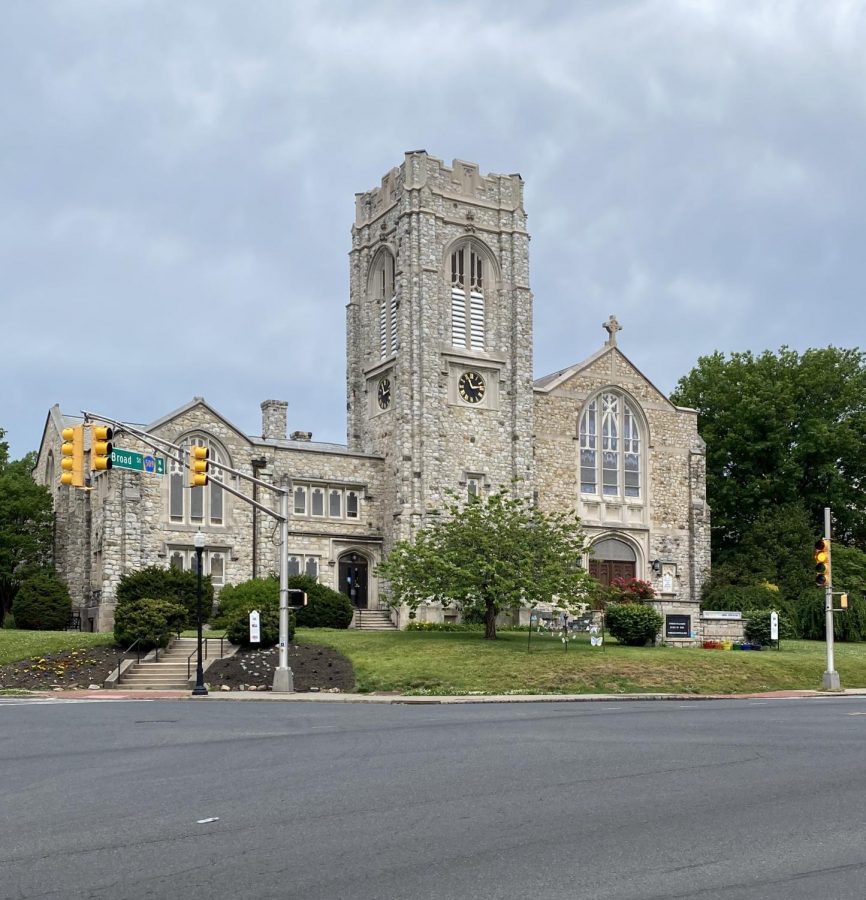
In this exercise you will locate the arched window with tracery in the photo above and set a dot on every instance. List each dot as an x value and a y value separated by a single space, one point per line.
470 279
197 505
610 448
383 293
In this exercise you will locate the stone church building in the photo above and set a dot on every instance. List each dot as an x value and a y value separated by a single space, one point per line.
440 397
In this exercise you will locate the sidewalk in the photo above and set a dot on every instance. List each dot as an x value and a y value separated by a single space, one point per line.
416 700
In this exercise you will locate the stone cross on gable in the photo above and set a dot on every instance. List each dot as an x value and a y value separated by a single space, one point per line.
611 326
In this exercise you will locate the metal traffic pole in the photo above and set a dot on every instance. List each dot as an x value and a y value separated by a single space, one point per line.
830 681
284 681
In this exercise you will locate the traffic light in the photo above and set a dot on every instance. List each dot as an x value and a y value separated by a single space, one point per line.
100 448
843 601
822 563
72 456
198 465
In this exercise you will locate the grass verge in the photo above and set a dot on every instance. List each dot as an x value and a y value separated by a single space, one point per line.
15 645
464 663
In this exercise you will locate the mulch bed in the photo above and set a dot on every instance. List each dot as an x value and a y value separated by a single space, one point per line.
68 671
314 669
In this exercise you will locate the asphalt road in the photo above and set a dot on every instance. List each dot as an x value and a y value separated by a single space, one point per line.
638 800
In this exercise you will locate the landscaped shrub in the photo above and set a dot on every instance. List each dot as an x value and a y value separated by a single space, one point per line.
42 603
757 627
147 620
173 585
632 624
325 607
254 594
238 624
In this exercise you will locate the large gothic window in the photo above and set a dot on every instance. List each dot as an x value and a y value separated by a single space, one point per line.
610 448
384 295
468 283
197 505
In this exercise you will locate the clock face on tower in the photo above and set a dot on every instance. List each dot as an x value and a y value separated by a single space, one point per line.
471 387
383 394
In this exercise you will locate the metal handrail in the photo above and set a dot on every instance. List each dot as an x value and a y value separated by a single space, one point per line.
123 654
204 655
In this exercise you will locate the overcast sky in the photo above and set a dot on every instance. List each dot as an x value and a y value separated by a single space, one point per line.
177 184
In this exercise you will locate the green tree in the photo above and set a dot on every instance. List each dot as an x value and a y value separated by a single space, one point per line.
26 524
782 428
491 555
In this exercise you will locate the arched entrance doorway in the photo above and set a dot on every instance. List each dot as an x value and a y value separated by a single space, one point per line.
611 558
353 579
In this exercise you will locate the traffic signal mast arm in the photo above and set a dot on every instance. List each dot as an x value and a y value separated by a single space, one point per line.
179 456
283 678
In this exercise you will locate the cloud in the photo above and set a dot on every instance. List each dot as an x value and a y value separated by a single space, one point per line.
694 167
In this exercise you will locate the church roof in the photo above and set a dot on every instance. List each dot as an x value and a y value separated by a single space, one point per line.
548 383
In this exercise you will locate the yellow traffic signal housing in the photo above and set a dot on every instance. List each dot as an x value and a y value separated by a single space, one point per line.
822 563
198 466
72 456
843 601
100 448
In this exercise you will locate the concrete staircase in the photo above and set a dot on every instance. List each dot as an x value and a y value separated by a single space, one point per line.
169 672
373 620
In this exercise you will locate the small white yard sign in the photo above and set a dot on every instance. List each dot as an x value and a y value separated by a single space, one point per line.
255 628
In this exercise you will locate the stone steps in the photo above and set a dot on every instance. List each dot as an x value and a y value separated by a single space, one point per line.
169 671
373 620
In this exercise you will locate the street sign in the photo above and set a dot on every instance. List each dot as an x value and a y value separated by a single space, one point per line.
134 461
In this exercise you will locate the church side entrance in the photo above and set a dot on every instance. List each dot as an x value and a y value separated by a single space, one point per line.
353 579
611 559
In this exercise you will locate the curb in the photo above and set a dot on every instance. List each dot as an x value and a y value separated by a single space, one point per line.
420 700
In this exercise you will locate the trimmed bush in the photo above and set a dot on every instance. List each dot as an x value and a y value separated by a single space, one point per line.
253 594
632 624
757 627
173 585
238 624
325 608
42 603
148 620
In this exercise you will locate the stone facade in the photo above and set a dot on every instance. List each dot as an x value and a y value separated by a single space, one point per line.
440 401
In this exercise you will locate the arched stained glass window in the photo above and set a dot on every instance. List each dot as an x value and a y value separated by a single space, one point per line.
610 448
197 505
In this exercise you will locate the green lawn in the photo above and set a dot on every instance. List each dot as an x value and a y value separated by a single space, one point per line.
413 662
462 663
15 645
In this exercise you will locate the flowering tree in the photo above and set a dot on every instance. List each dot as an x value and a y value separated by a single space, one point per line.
491 554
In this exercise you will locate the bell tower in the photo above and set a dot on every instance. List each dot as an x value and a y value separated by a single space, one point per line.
439 336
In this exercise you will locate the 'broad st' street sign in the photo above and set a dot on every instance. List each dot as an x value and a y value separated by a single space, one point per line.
137 462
